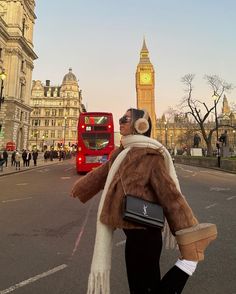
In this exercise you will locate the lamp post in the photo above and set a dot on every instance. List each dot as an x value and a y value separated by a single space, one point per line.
65 132
166 133
171 143
234 138
2 78
215 98
36 140
36 133
43 143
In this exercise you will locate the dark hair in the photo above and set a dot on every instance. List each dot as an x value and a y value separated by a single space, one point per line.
138 113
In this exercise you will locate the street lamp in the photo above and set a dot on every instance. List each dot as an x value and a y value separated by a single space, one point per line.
171 143
43 143
234 138
165 133
215 97
36 140
65 132
2 78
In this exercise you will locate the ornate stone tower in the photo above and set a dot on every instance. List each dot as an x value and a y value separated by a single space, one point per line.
145 84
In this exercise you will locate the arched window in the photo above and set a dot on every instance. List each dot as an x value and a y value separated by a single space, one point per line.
23 26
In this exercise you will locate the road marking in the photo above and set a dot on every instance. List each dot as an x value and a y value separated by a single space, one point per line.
65 178
212 205
69 168
22 184
33 279
43 170
218 189
230 198
17 199
82 230
121 243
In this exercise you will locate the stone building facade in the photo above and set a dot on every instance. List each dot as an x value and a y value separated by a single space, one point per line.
53 121
17 19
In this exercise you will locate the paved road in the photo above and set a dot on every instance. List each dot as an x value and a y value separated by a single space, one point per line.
47 238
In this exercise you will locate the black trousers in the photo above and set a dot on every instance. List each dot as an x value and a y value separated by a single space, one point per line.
142 256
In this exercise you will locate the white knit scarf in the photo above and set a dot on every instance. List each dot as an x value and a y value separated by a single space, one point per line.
99 277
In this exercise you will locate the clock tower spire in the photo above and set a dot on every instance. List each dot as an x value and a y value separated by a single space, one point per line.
145 84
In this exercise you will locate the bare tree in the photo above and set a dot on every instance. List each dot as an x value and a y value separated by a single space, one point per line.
199 110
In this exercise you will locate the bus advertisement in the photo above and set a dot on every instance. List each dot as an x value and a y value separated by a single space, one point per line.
95 140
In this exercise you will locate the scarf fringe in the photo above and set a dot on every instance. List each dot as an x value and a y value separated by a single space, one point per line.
99 282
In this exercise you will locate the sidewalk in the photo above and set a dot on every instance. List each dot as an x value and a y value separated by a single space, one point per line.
40 163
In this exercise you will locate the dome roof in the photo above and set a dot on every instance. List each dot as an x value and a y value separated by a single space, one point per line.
69 77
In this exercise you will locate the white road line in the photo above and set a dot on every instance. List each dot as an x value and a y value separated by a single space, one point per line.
33 279
121 243
218 189
65 178
230 198
22 184
17 199
82 230
69 168
212 205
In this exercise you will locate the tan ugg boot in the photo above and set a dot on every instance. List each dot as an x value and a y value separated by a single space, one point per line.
194 240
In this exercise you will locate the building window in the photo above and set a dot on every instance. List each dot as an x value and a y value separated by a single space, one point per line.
22 65
23 27
60 112
47 112
53 123
46 134
37 112
52 134
46 122
59 134
22 91
59 123
74 133
73 123
54 112
0 53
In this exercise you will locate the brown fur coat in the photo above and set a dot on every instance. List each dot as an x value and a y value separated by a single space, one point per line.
143 174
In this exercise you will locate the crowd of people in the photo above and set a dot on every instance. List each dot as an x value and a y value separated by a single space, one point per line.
23 159
17 157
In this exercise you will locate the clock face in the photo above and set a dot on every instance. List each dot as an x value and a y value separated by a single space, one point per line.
145 78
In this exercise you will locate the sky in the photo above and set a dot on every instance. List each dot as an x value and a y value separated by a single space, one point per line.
101 41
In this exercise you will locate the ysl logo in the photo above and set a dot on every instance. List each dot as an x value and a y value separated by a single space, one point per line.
145 209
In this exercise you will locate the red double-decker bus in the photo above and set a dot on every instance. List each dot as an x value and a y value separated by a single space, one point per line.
95 140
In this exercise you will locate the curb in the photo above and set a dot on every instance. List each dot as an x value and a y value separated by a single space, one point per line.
30 168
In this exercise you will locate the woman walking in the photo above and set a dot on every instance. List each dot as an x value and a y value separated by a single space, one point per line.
141 166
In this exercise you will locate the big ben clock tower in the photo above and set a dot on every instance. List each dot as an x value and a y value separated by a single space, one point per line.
145 83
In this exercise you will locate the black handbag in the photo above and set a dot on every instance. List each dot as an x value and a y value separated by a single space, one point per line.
138 210
143 212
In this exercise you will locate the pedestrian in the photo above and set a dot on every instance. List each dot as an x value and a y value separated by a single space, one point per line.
5 157
51 155
2 161
13 156
28 158
24 157
17 160
46 155
142 166
35 156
